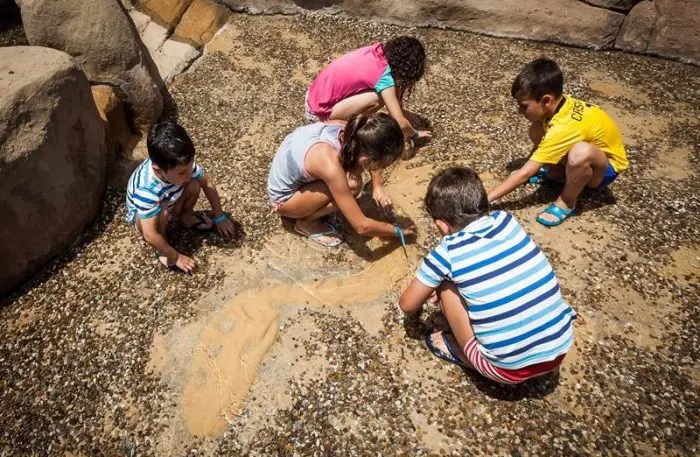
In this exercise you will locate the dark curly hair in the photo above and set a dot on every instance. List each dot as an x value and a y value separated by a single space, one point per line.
406 57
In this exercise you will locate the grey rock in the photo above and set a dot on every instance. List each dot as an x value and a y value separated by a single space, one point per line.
638 27
52 158
105 42
677 30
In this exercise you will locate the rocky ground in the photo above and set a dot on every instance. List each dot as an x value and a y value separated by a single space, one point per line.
105 353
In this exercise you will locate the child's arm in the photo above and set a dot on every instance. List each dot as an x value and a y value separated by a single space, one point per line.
414 296
149 228
225 227
393 105
516 179
379 195
327 168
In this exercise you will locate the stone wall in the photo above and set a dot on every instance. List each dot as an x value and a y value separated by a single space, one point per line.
666 28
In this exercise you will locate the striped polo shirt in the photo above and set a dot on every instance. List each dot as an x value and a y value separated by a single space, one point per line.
146 191
517 313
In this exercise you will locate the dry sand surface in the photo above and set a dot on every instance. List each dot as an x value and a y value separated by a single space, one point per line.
276 346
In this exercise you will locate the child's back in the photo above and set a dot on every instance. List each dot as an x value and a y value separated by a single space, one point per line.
353 73
515 307
577 121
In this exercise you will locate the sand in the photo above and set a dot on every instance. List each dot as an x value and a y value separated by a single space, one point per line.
277 346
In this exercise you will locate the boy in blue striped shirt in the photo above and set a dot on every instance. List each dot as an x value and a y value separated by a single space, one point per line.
166 185
497 290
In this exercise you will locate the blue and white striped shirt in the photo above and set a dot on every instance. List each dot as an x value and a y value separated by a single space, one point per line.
517 313
146 191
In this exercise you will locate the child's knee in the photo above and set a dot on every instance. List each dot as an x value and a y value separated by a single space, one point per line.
164 215
580 154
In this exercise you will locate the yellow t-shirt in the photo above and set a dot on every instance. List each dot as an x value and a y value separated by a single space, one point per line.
580 121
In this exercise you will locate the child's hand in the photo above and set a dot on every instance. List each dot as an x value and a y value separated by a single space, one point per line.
424 135
408 228
382 199
185 263
226 229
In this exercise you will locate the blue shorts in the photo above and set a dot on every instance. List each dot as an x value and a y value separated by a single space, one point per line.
608 177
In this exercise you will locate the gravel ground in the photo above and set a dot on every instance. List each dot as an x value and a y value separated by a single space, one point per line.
73 357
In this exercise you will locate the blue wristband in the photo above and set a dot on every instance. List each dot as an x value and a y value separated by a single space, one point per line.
220 219
413 139
399 233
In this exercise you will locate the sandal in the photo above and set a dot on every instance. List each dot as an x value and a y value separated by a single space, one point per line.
556 211
542 177
164 260
201 225
437 352
332 237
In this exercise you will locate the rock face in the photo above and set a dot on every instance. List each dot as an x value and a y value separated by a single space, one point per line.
667 28
637 28
52 158
99 34
561 21
201 21
112 113
618 5
175 31
677 30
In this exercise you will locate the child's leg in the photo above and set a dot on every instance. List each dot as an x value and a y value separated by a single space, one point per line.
184 207
313 201
454 309
585 167
366 102
163 217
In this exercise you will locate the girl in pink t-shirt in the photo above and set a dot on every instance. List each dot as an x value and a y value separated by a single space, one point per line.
364 80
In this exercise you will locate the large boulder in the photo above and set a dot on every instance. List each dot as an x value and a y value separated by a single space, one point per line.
102 38
561 21
677 31
667 28
52 158
637 29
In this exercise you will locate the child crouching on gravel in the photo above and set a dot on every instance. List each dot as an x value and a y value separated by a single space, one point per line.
166 185
498 292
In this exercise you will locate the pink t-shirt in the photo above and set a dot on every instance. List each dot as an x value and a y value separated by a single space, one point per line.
353 73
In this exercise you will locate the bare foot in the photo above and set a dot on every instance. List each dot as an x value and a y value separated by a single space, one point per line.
439 342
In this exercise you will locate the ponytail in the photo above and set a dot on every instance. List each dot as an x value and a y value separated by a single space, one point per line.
350 151
378 136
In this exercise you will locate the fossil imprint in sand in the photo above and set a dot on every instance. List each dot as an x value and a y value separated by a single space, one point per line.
233 340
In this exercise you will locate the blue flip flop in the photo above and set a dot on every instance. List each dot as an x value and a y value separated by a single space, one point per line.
542 177
437 352
556 211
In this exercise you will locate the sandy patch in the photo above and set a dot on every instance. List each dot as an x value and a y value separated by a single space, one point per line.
674 165
221 352
610 87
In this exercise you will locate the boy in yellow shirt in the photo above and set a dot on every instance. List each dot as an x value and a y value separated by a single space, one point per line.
574 141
